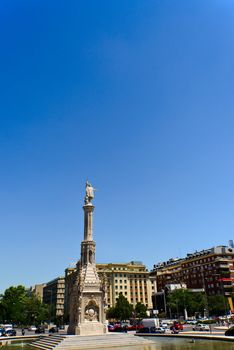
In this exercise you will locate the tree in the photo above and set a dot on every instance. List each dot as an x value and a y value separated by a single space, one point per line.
123 309
36 311
18 306
140 310
12 304
217 305
110 313
181 299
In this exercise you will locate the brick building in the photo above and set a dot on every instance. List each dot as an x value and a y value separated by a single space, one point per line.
211 270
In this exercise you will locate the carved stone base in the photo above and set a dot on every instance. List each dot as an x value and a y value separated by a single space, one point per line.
88 328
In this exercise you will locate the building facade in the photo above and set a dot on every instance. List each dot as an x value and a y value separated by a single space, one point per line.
38 290
210 270
53 295
130 279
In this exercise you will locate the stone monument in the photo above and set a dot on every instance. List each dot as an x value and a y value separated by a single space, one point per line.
88 296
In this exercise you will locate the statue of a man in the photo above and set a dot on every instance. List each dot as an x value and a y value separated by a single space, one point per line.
89 192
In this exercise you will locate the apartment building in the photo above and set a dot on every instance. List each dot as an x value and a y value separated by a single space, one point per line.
37 290
211 270
130 279
53 295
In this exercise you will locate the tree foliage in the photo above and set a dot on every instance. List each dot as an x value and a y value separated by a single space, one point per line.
181 299
122 310
217 305
140 310
17 305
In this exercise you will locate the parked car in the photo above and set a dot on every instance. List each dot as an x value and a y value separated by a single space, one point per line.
230 331
164 325
177 326
117 327
191 322
39 330
201 327
144 330
135 327
10 333
32 328
2 332
53 330
151 330
159 330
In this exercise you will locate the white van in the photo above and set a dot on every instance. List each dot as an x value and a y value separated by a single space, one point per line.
150 322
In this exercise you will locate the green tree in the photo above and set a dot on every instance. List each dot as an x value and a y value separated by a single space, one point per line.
181 299
123 309
140 310
17 305
217 305
13 304
36 312
111 313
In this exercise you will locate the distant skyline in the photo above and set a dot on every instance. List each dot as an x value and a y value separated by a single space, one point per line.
137 96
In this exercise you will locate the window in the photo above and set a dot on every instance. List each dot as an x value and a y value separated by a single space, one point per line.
120 281
116 281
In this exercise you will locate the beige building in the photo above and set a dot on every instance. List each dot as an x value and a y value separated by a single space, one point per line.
38 290
53 295
129 279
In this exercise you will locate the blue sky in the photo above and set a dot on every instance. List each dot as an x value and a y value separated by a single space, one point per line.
136 96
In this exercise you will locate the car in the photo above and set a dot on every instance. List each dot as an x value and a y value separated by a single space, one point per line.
39 330
176 326
32 328
110 327
201 327
144 330
159 330
230 331
2 332
53 330
151 330
164 325
191 322
10 333
135 327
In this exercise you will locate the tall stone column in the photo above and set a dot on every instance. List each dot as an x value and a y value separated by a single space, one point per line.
88 222
88 301
88 245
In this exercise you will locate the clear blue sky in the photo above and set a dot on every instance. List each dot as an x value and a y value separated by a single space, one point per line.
136 96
